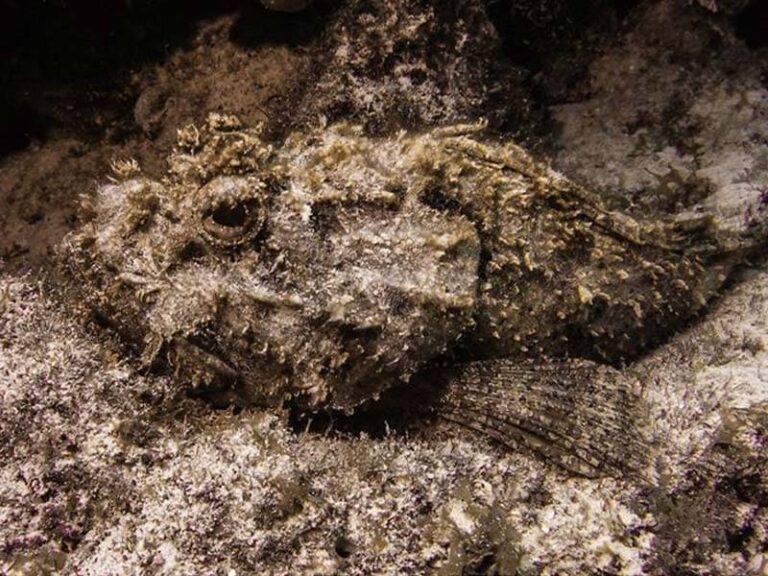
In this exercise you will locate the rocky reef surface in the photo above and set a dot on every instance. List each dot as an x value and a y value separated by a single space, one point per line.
104 469
107 471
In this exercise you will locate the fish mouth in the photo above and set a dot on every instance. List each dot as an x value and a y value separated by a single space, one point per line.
195 364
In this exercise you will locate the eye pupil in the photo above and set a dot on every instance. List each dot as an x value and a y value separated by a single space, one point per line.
230 216
230 211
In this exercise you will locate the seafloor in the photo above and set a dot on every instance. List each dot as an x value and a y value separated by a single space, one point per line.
661 105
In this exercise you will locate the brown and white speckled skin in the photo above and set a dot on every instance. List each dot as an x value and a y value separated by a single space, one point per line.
327 270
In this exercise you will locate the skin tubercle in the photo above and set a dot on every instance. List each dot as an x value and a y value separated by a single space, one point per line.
333 267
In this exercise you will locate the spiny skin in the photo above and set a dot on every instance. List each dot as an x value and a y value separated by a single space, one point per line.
327 270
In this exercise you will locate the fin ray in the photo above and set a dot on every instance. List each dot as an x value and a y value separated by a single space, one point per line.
578 414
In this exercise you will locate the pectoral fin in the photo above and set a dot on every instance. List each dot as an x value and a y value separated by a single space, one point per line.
579 415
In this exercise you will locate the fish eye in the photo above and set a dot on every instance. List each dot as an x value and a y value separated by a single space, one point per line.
232 223
230 216
232 210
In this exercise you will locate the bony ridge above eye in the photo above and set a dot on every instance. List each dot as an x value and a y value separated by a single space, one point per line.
232 209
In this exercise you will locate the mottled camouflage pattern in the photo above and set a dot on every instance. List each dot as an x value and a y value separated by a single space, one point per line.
328 269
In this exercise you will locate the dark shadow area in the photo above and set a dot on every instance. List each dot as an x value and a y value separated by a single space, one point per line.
64 62
535 33
81 39
257 26
556 40
51 50
20 123
403 409
751 24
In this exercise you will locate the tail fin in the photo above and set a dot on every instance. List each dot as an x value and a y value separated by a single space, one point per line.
579 415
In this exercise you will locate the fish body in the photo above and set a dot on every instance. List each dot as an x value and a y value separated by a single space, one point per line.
331 268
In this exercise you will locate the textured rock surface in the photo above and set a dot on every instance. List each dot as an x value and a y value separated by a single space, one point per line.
109 472
658 98
414 64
